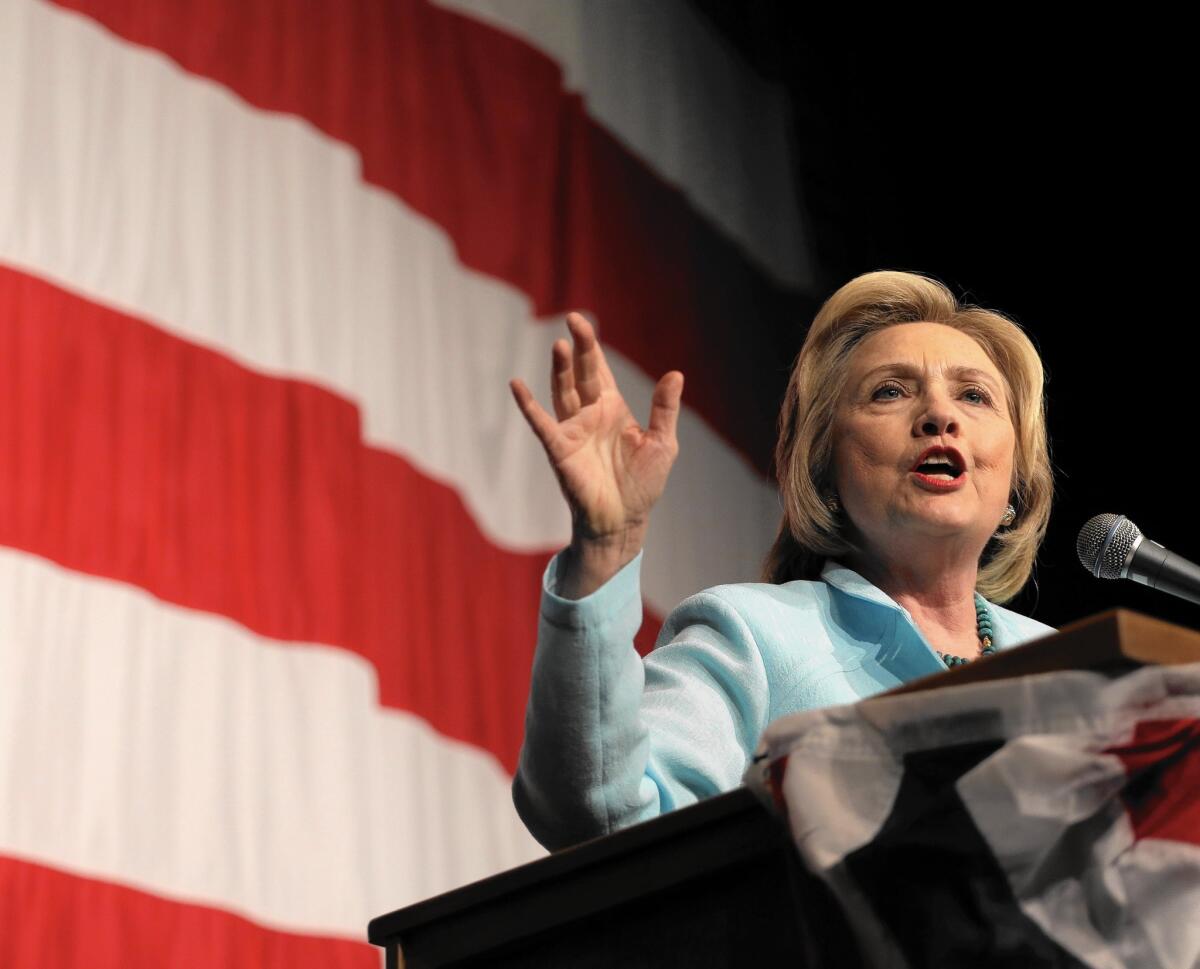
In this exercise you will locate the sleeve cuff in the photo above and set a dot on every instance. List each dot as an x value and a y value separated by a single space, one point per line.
610 601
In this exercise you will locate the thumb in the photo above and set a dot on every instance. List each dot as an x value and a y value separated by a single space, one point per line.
664 406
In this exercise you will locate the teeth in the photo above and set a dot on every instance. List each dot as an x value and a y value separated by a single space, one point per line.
940 461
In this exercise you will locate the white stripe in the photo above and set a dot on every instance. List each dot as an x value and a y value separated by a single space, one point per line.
1161 881
659 78
142 187
1133 904
175 752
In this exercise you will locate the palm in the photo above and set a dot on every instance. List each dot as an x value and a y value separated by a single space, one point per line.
611 470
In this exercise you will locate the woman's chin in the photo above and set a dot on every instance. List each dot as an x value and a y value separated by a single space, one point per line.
942 521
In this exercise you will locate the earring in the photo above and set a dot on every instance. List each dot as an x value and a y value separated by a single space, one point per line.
1009 516
832 503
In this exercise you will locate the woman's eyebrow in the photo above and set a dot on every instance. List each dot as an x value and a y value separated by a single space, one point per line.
974 373
901 369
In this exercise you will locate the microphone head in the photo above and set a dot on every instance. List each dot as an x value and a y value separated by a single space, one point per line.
1104 543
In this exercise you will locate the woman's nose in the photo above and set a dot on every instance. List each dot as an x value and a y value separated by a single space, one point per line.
935 419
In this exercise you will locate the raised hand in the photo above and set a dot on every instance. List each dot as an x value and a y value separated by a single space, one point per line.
611 470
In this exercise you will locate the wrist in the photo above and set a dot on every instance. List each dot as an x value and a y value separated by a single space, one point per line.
591 560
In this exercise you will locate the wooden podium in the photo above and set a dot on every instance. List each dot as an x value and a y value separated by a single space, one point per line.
714 885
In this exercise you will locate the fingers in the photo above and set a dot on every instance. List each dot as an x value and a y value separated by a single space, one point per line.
543 424
591 369
562 381
664 406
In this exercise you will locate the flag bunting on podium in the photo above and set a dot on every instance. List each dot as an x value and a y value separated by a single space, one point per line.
1051 820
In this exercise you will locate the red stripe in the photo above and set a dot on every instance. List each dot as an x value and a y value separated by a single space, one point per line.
776 772
128 453
1162 794
472 128
54 920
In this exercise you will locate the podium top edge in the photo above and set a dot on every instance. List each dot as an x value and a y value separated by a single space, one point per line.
1108 642
730 809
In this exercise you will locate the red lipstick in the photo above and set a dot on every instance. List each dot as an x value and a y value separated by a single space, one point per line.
934 480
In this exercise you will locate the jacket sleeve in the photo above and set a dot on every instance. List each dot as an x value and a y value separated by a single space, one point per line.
611 739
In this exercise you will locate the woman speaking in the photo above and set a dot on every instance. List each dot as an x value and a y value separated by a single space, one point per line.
915 481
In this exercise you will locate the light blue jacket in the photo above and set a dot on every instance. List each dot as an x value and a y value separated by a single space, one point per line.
611 739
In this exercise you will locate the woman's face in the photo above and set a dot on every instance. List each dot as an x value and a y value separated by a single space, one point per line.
923 445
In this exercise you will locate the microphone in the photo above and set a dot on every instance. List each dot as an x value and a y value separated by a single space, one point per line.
1113 547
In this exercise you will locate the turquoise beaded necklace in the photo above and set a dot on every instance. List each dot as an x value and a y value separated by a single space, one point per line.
983 624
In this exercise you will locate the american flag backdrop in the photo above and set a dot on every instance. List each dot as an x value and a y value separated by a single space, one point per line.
271 529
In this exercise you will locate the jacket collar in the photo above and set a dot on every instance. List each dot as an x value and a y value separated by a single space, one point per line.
852 584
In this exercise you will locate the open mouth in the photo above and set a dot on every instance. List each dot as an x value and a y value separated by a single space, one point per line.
940 464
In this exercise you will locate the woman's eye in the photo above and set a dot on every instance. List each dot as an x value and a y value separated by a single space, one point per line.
976 395
888 392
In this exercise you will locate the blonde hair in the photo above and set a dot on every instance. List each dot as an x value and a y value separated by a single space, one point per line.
809 532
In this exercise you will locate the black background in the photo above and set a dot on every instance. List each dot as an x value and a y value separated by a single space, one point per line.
1042 170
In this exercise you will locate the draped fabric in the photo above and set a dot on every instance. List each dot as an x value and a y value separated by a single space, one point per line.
271 530
1050 820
